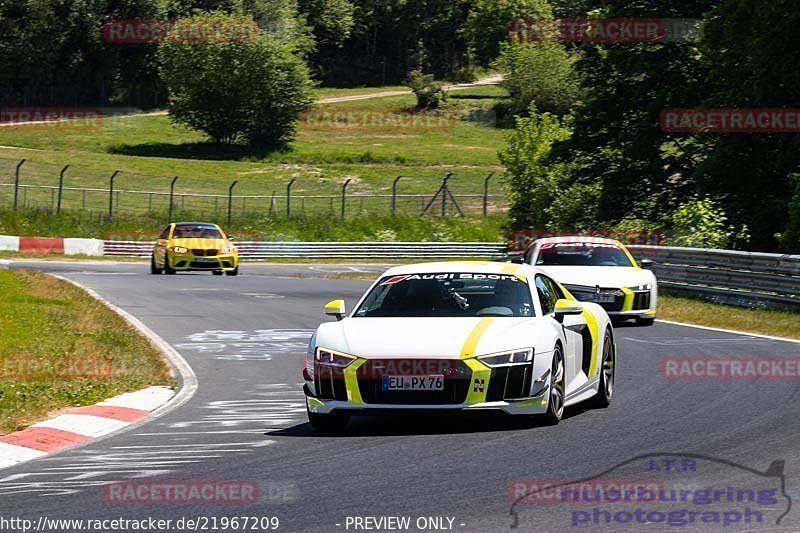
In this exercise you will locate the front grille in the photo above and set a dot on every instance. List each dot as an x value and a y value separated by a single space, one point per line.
616 305
641 300
329 382
209 266
509 383
204 253
457 378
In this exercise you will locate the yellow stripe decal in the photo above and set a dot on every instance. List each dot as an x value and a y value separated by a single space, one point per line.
351 381
480 381
591 323
627 303
471 344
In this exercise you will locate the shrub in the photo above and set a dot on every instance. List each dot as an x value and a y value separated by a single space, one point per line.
702 223
429 92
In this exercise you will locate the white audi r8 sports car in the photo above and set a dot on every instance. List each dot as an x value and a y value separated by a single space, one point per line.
459 337
599 270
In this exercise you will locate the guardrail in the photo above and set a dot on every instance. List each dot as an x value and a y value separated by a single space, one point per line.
750 279
335 250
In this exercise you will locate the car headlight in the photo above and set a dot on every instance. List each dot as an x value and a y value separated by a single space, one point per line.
645 287
228 249
331 358
517 357
179 249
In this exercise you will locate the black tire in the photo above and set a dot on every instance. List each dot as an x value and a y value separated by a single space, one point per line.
555 403
153 268
167 269
328 423
217 272
608 371
646 321
234 272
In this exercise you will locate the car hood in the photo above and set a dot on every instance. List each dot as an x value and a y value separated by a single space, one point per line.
604 276
433 338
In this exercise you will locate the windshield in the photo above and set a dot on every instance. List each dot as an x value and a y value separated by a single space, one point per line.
196 231
582 254
458 294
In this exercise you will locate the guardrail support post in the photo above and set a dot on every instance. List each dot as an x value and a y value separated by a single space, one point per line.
230 201
394 194
60 189
486 194
111 193
344 194
289 197
171 196
16 182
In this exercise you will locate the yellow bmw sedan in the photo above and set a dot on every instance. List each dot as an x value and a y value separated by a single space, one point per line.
199 246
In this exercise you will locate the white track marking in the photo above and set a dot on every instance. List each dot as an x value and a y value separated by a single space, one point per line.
257 345
733 331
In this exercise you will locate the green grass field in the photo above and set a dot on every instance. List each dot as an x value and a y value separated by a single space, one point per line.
149 150
62 348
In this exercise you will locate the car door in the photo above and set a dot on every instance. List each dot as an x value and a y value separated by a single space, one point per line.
573 327
548 295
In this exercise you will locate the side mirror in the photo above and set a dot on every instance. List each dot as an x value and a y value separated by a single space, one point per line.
231 237
567 307
646 263
336 308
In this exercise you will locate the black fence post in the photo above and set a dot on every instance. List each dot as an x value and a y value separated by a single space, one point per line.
344 194
230 200
445 191
394 194
289 198
486 194
171 196
60 189
16 182
111 193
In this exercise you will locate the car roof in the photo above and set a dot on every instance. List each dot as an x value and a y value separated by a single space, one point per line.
576 238
211 224
478 267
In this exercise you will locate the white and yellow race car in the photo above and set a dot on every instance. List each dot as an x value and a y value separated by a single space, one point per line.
602 271
459 337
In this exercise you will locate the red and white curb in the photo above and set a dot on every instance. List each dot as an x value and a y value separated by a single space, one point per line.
49 245
80 424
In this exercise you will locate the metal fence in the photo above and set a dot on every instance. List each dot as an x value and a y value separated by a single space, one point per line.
749 279
65 188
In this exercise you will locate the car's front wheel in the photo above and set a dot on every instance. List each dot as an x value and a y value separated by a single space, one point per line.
153 268
234 272
328 423
167 269
605 389
555 403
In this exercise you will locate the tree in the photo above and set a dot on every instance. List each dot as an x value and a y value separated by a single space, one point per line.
539 73
487 24
532 183
237 90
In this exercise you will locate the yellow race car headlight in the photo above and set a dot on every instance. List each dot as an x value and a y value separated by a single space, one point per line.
179 249
228 249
